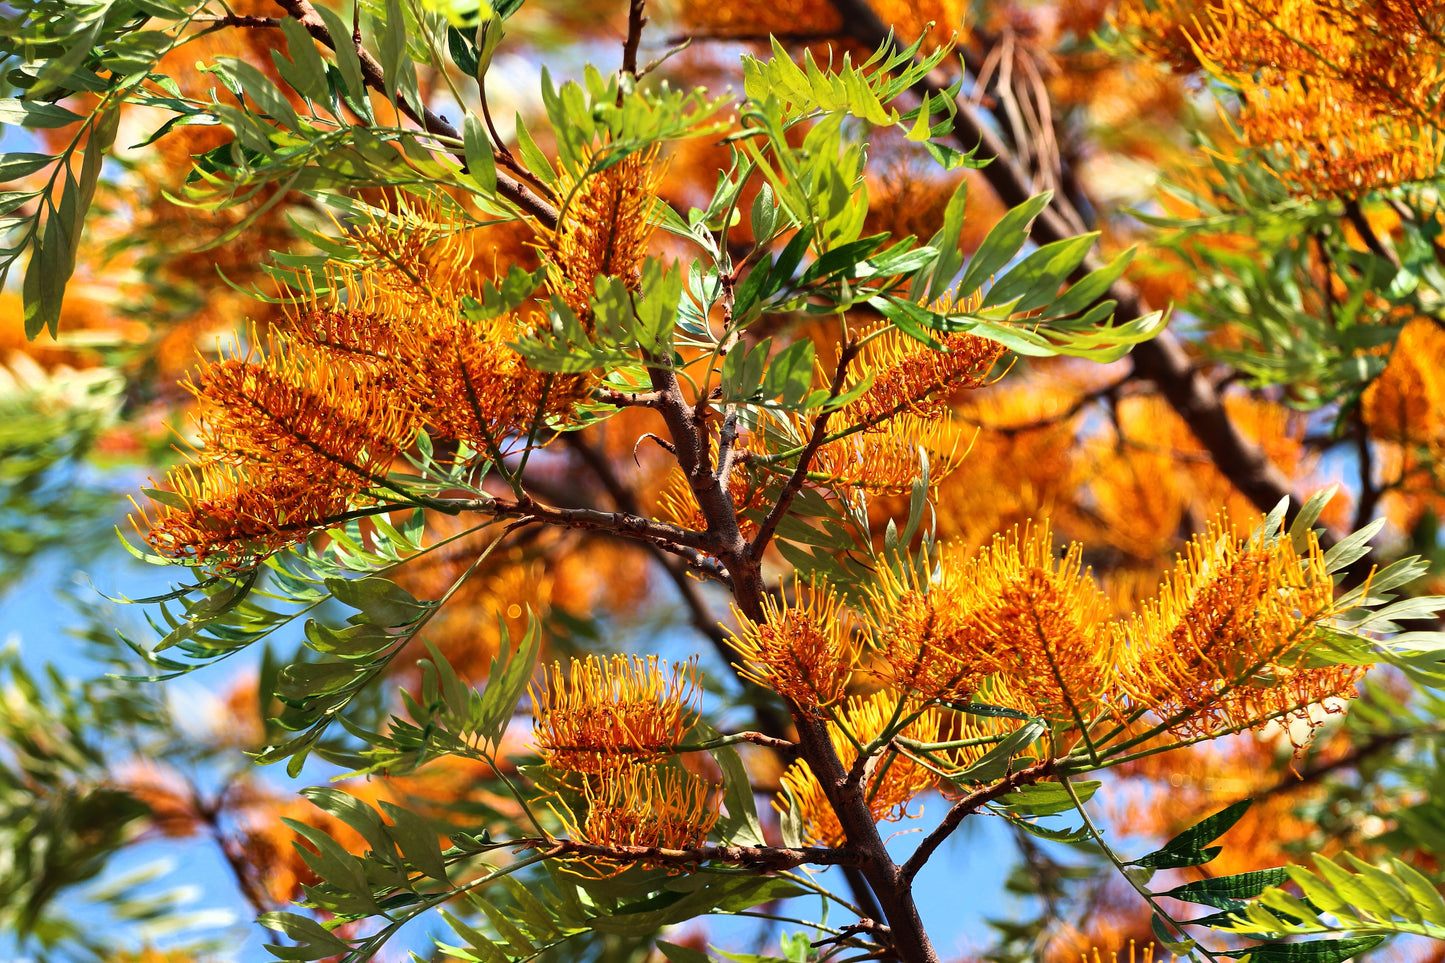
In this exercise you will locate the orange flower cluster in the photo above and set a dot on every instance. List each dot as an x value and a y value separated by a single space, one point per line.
1225 643
909 376
888 459
1406 403
901 414
605 226
1404 409
1222 646
888 787
610 721
229 519
1322 82
626 706
289 437
804 650
1012 609
316 419
633 804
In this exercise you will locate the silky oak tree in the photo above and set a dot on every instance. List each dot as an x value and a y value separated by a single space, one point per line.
832 363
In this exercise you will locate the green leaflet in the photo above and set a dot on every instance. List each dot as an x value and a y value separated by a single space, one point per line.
507 680
1048 798
1315 951
1188 847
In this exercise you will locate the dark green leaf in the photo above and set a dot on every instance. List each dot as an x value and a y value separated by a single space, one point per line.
355 813
348 64
463 50
478 153
302 681
995 763
1226 892
25 113
1001 244
1047 798
305 71
1187 848
507 680
1174 944
789 376
1315 951
681 954
352 642
1035 280
380 600
306 931
15 166
417 841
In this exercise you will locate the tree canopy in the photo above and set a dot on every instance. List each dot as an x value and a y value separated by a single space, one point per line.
649 482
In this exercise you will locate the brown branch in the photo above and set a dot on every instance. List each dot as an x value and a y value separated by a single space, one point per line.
703 618
892 888
628 399
433 123
969 805
1369 491
684 543
763 859
724 539
238 20
635 22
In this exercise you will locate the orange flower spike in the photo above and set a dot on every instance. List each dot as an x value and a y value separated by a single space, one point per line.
890 788
225 513
909 376
1043 623
634 804
605 225
921 624
885 460
298 416
804 650
1224 642
618 707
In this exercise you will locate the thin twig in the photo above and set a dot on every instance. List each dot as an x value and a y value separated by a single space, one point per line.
635 22
764 859
795 481
969 805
